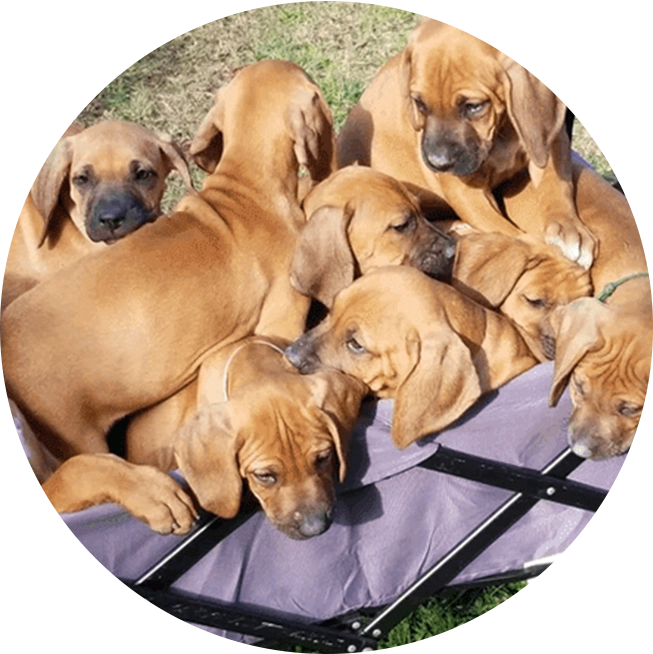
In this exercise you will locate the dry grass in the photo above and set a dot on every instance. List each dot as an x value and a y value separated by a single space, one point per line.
341 45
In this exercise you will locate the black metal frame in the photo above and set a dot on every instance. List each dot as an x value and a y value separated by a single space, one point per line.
355 633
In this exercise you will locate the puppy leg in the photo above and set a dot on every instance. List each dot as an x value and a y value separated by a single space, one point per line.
475 206
553 214
145 492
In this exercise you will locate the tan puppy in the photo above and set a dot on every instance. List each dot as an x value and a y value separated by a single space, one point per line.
603 347
87 346
98 185
455 118
359 219
523 278
249 415
418 341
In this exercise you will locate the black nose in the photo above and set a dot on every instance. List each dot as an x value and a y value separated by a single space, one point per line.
115 214
113 219
314 525
302 355
440 159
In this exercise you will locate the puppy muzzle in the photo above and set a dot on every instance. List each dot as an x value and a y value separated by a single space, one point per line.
437 260
443 155
311 525
548 343
115 214
587 444
302 354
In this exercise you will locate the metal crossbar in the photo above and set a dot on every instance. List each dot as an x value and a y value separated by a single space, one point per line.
346 635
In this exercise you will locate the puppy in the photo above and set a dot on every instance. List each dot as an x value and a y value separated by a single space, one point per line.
98 185
454 118
523 278
360 219
603 344
249 415
416 340
88 346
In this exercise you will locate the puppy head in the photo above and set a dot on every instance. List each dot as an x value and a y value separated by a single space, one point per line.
360 219
109 178
389 330
523 278
463 95
605 357
288 440
273 108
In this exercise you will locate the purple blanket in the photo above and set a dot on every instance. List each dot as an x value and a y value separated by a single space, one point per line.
392 520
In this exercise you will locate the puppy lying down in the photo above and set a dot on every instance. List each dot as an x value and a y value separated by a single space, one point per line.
250 416
416 340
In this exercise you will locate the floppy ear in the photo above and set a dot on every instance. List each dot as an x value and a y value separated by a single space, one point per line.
206 449
577 330
339 396
312 127
441 386
323 263
535 111
173 155
207 144
488 266
405 74
49 183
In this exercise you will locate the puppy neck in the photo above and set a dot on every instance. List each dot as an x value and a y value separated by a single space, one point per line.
242 182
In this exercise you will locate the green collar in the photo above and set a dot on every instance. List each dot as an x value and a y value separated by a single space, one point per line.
610 288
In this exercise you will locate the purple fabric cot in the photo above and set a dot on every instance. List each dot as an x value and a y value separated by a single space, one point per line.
392 520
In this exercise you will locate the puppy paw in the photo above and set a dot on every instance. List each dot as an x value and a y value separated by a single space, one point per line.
573 239
160 502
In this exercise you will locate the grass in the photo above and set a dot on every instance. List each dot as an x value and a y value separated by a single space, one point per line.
341 46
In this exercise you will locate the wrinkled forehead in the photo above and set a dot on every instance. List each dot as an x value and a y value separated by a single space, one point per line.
620 366
561 280
113 148
455 66
286 424
381 303
384 199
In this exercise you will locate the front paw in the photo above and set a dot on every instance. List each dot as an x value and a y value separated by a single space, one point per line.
575 241
160 502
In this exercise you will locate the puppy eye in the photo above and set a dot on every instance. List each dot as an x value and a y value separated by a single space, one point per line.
143 174
537 303
265 478
323 458
420 105
474 109
629 410
406 226
81 179
354 346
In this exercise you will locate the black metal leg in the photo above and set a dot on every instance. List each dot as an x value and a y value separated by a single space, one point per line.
460 556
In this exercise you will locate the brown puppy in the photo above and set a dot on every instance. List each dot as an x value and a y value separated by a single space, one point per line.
249 415
87 346
455 118
359 219
523 278
603 347
418 341
98 185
